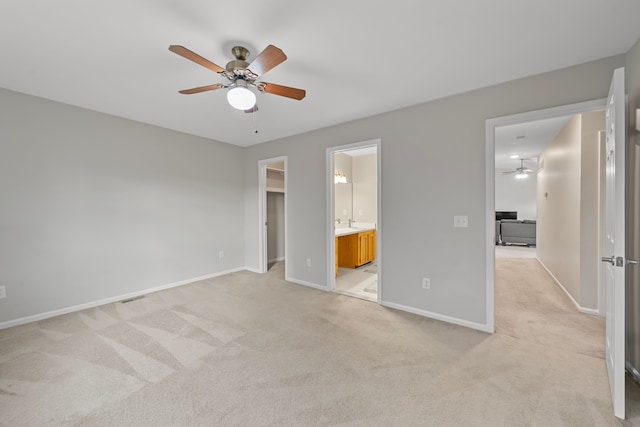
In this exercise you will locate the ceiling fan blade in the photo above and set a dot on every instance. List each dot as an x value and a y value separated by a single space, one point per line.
289 92
508 172
201 89
192 56
252 109
268 58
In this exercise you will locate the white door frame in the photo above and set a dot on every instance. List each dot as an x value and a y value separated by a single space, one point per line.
331 250
262 214
491 124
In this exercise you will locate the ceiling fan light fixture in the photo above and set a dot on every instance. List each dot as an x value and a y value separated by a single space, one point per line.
240 97
521 175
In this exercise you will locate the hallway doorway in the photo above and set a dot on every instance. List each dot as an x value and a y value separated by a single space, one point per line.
493 127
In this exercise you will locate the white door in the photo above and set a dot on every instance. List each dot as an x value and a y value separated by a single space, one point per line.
615 241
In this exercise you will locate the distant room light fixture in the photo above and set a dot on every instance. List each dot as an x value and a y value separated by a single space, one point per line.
514 156
339 178
240 97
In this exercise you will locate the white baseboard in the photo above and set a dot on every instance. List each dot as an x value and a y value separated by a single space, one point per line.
276 260
436 316
581 309
92 304
251 269
305 283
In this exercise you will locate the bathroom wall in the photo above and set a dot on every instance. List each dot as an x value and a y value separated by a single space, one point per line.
343 192
342 163
365 188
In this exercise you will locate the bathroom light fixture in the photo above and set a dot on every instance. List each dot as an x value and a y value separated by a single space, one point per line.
240 97
339 178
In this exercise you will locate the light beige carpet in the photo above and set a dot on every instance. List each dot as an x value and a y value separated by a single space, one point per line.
246 349
529 305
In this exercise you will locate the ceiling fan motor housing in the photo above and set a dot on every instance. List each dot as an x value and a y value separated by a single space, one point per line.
238 66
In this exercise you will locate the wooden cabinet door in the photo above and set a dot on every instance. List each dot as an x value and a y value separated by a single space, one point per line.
363 248
371 243
354 250
348 251
336 256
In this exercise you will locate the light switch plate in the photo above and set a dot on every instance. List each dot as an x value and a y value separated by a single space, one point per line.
461 221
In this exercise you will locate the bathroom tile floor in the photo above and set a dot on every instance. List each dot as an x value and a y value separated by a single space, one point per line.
361 282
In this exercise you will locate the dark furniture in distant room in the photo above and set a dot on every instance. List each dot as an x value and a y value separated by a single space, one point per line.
511 231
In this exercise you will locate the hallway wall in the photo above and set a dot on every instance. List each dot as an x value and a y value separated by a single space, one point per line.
568 210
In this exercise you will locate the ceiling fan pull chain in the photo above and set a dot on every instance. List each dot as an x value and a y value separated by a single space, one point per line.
254 122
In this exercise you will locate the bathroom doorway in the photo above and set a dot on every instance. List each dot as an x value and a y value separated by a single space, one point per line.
353 212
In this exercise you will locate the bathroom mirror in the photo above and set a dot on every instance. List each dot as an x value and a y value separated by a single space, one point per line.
343 202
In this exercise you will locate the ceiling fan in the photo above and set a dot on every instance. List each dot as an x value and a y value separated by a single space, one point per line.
242 75
520 172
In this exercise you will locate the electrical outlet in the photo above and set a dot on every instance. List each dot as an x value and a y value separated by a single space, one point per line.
221 254
426 283
3 292
461 221
308 262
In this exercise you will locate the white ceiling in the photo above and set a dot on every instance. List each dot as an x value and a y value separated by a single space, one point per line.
527 140
355 58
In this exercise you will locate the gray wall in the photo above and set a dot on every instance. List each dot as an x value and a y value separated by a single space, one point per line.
93 206
433 167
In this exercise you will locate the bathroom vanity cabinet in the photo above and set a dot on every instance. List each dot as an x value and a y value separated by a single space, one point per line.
354 250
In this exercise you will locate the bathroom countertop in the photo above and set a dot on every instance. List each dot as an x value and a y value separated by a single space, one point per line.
351 230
